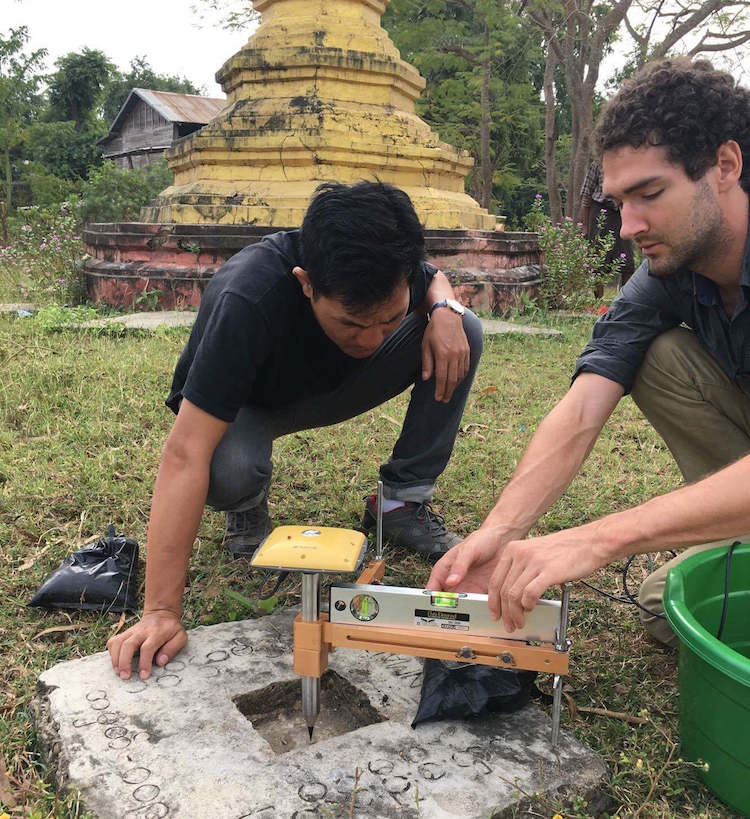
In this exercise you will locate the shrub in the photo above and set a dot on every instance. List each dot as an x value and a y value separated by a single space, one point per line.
572 265
115 194
44 261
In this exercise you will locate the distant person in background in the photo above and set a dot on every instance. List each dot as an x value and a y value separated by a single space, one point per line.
593 205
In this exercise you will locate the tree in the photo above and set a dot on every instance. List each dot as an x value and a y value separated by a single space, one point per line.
233 15
577 34
75 89
19 84
480 62
141 75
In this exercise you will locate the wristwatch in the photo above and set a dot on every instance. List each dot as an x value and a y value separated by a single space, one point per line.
451 304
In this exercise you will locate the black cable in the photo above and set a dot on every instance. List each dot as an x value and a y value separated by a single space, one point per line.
727 575
268 575
630 597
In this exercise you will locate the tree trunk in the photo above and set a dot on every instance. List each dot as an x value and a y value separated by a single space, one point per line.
550 137
8 179
486 124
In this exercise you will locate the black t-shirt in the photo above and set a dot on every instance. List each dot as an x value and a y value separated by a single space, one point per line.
256 339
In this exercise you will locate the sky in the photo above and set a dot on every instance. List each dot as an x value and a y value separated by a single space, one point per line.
164 31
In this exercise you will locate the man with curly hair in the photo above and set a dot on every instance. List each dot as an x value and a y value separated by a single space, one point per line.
675 148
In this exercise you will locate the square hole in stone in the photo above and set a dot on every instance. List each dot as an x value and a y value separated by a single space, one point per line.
276 712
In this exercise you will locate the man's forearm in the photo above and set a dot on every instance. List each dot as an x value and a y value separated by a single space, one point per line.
551 461
179 498
716 508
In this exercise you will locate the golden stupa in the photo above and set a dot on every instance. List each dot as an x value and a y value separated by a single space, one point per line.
319 93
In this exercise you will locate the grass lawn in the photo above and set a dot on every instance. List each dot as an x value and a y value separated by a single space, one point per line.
82 422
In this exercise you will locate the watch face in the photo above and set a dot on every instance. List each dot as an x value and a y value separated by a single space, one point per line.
456 306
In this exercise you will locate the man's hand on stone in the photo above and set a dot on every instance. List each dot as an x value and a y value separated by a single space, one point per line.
445 352
158 637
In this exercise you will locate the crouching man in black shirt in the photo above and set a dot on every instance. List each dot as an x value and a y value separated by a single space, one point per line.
304 329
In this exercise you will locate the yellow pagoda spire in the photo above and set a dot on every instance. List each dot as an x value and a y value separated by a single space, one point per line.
318 93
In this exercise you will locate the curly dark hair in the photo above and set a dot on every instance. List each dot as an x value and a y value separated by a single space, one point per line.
687 106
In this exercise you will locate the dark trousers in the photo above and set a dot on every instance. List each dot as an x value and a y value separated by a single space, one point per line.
241 467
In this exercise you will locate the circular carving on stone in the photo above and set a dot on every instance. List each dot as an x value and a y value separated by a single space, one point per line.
145 793
462 759
217 656
174 666
156 811
141 736
135 686
305 814
107 719
115 732
169 681
432 771
380 766
98 694
120 743
478 752
481 767
135 776
313 792
100 705
211 670
396 784
415 754
82 723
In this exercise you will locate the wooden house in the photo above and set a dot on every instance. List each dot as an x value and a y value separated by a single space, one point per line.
150 121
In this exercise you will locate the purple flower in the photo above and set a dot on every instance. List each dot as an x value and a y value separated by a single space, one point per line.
538 196
623 255
603 210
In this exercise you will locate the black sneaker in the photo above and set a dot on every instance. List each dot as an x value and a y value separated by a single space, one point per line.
415 526
247 530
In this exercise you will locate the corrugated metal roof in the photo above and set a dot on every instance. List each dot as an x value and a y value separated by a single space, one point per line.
188 108
182 107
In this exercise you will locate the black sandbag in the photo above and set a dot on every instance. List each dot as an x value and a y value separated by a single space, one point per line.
457 690
99 576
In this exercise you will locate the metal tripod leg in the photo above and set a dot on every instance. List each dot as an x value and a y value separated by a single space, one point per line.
562 644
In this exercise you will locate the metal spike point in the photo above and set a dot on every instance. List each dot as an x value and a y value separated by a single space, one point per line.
310 731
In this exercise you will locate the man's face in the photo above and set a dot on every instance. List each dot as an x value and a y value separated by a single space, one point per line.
675 221
356 334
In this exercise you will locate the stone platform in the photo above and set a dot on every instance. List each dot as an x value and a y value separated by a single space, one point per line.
218 734
490 270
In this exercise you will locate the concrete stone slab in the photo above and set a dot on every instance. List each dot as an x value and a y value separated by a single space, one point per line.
14 308
148 321
493 327
181 318
178 745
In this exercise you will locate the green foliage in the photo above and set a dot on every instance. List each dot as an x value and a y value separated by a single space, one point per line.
65 151
114 194
444 40
44 262
573 265
141 75
75 89
19 85
55 317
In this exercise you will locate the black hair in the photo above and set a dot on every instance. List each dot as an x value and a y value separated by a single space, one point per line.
687 106
359 242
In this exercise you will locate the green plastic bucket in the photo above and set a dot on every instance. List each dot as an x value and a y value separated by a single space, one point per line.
714 676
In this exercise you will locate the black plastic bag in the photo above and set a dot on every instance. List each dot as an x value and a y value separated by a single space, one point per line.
458 690
100 576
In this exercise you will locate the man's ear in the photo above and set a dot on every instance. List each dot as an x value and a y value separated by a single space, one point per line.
729 164
300 274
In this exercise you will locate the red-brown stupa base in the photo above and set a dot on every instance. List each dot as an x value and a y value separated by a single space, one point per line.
167 266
